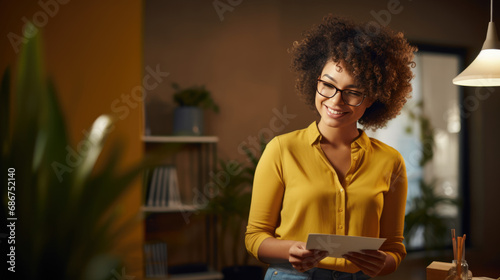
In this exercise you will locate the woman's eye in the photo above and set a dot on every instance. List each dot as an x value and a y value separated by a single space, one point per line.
354 93
328 85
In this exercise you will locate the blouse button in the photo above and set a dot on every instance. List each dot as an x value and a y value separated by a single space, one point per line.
275 273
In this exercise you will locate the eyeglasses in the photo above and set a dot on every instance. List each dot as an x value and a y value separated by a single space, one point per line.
350 97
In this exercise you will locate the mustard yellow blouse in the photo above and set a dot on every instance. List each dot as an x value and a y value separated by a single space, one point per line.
296 192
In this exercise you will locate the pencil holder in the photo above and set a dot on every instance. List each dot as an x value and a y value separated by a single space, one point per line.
459 273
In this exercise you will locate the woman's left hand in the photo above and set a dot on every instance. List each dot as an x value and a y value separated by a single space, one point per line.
371 262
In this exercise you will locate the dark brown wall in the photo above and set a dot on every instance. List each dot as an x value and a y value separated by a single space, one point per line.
242 58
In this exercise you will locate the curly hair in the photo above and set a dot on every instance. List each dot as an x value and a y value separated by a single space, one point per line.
378 59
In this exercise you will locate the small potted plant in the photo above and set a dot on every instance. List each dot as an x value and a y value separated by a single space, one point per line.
231 206
188 115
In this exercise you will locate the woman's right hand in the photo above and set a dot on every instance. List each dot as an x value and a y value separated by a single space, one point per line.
303 259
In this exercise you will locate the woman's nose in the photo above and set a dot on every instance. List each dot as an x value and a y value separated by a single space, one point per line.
337 99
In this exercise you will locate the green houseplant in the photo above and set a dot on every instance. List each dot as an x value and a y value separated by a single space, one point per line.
188 115
231 205
66 224
424 214
423 211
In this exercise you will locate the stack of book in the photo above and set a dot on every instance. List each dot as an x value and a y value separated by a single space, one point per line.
155 257
163 187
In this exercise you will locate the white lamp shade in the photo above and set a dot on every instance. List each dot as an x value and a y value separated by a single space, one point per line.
484 71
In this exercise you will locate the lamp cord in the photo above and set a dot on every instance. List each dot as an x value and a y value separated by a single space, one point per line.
491 11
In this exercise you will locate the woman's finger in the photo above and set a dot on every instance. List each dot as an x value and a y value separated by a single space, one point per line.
371 262
303 259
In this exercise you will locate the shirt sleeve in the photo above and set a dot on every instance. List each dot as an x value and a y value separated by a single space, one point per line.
393 214
267 197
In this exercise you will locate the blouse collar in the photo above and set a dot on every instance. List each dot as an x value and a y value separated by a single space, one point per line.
363 141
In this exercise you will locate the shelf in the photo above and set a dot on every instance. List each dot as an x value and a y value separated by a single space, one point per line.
194 159
180 139
170 209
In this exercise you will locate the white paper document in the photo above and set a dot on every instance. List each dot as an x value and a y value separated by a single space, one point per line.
338 245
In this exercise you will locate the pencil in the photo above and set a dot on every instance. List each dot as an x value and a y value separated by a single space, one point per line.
459 256
454 242
463 247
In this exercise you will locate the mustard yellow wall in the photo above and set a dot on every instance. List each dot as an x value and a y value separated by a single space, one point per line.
93 52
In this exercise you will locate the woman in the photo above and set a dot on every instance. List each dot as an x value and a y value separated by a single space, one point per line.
330 177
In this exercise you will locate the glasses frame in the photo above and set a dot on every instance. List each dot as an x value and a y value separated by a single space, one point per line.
337 90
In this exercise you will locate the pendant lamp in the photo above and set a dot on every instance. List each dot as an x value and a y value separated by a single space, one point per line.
484 71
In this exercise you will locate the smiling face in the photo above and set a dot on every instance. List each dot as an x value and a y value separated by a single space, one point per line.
333 111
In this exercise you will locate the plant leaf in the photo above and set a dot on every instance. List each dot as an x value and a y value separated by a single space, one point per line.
94 141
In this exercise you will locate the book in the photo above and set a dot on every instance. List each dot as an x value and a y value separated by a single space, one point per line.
163 188
152 188
159 186
174 195
165 185
155 257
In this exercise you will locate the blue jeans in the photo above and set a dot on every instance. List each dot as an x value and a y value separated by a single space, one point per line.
287 272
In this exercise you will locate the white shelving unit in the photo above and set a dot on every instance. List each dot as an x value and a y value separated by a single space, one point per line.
201 161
